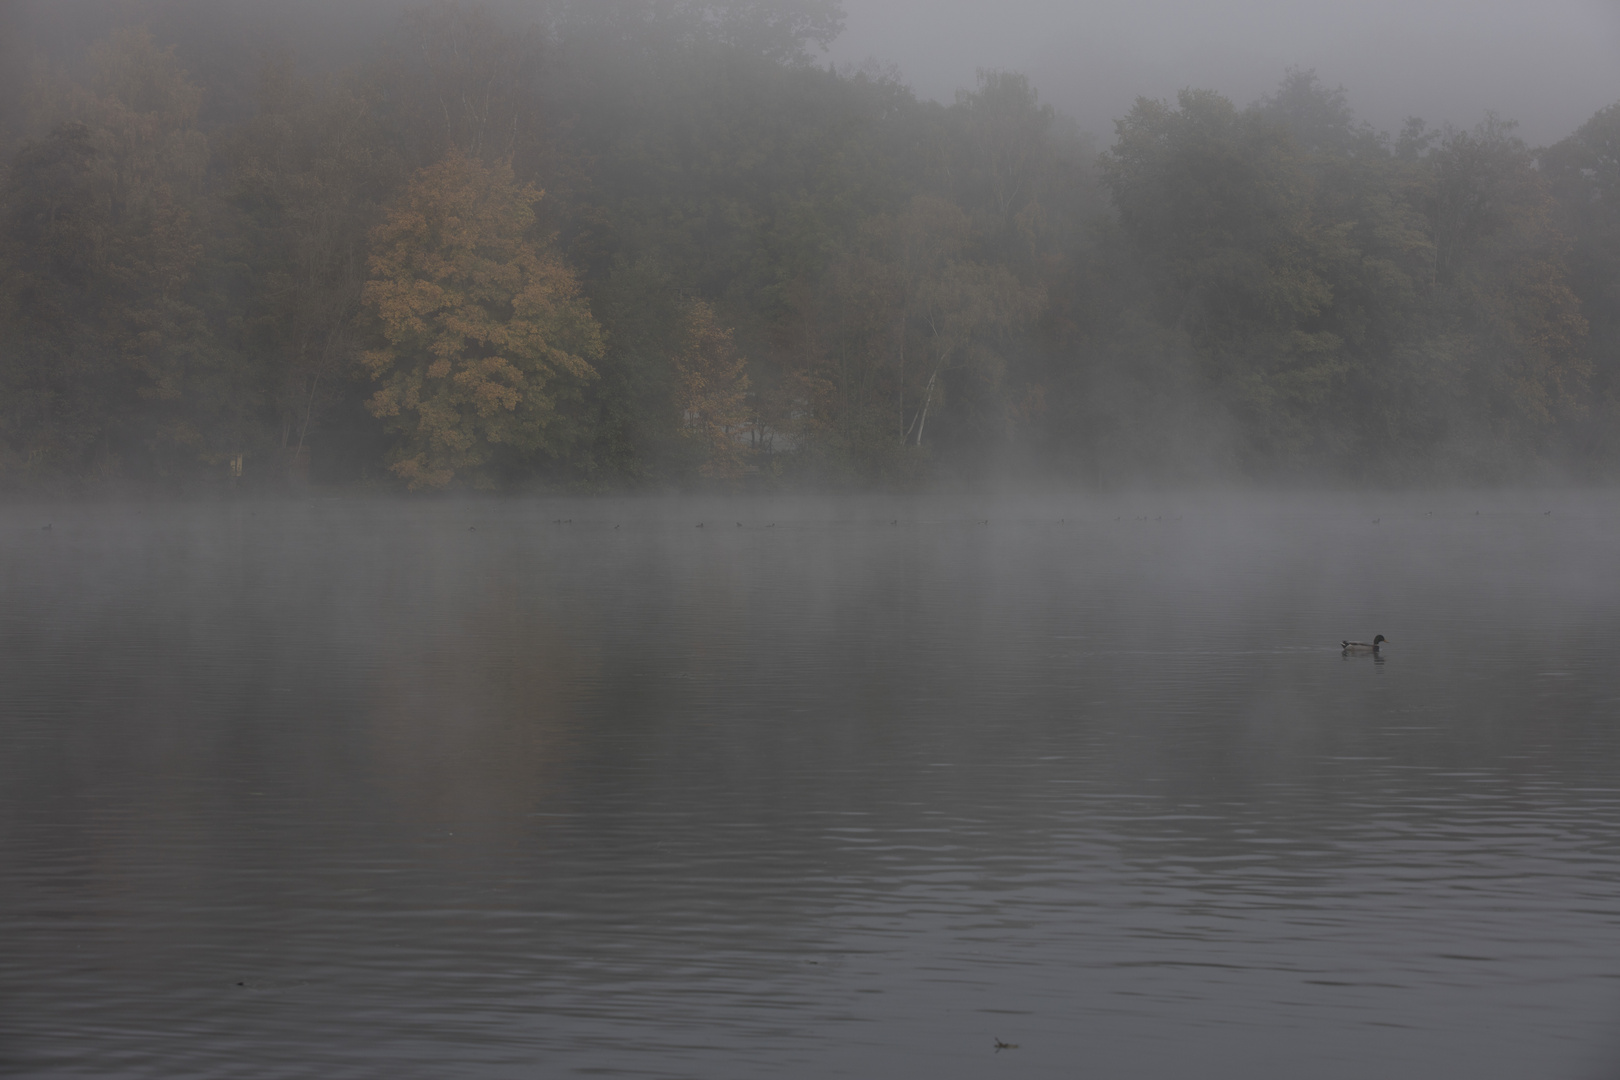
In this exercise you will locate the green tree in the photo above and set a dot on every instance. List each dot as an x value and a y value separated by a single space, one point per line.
1583 174
961 311
908 323
1220 208
108 224
1508 336
53 386
307 175
635 424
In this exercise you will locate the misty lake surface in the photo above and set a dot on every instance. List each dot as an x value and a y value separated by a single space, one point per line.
827 788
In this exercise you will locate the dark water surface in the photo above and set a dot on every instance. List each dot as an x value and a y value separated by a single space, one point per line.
346 789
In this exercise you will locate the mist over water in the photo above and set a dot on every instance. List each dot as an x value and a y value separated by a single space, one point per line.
812 788
301 779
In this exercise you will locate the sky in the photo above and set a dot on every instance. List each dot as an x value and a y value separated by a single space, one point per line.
1549 64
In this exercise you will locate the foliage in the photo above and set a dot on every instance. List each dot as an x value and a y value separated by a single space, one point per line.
354 267
111 358
712 393
1221 209
304 176
1583 177
486 339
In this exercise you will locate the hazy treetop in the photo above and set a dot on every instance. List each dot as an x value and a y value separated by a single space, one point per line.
1549 65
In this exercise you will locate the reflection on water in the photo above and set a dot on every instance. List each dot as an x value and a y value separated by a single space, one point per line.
835 788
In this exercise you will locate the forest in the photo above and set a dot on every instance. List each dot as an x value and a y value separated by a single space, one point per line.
663 245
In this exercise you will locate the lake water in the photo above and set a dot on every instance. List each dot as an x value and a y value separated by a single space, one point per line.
831 788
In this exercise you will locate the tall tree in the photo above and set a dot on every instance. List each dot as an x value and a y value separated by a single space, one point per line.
487 342
54 385
1218 204
308 174
132 205
1583 172
999 163
1510 336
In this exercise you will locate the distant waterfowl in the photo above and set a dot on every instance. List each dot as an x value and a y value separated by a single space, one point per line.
1363 646
1000 1046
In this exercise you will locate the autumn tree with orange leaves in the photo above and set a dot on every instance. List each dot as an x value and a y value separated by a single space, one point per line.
487 340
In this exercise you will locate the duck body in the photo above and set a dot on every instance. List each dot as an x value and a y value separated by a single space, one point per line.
1364 646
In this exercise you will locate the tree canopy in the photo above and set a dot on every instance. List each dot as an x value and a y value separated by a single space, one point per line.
484 332
748 268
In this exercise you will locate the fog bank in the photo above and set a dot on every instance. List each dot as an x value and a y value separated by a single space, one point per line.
1547 65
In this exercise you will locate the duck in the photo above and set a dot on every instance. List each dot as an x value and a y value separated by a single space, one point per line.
1362 646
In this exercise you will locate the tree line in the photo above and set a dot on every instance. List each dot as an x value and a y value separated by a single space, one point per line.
628 245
